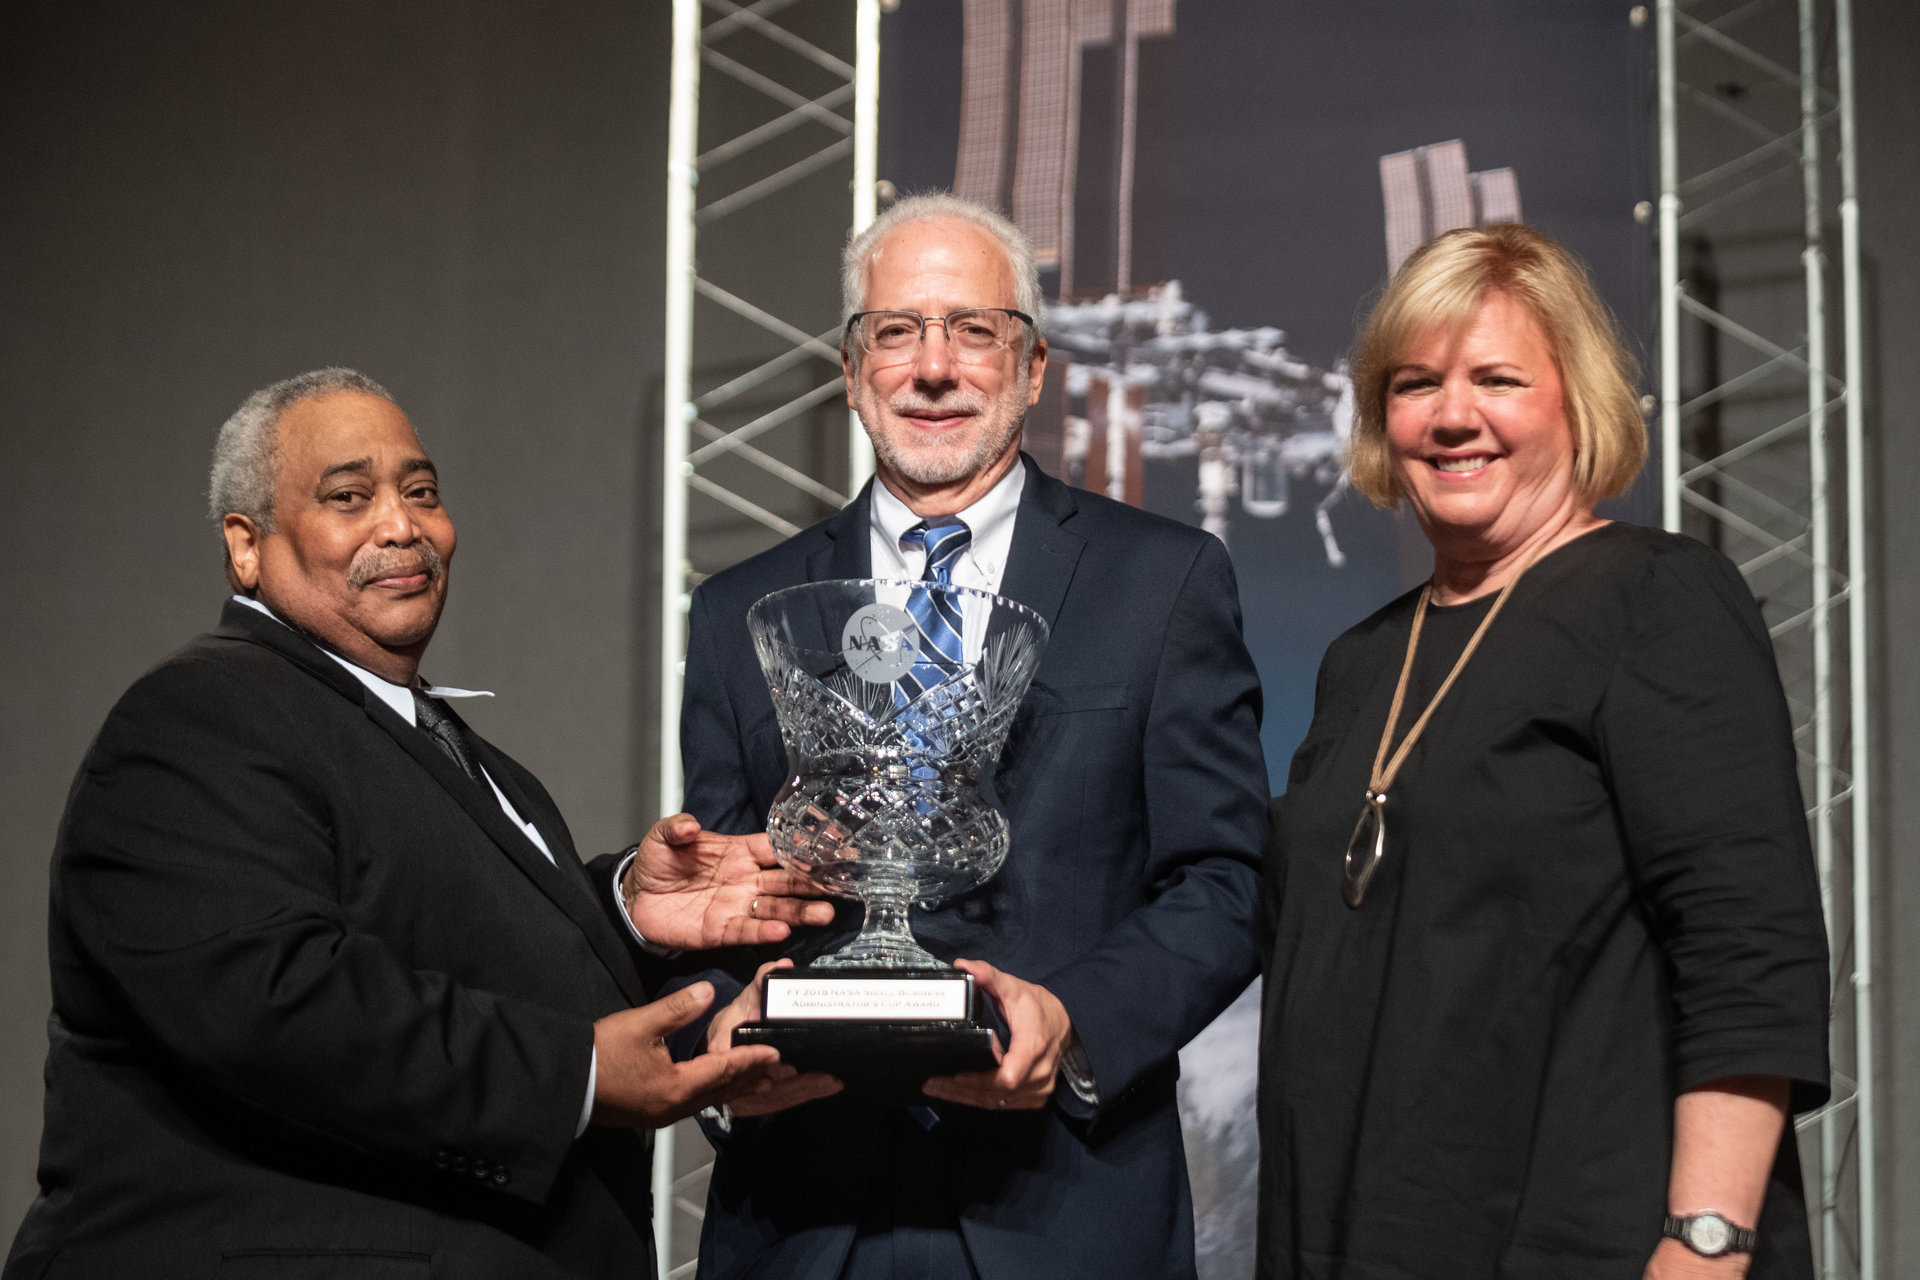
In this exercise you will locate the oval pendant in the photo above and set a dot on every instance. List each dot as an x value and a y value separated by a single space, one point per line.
1364 850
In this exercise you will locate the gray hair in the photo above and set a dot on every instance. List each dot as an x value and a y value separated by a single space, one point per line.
927 207
242 479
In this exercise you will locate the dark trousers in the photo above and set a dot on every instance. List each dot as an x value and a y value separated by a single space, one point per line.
899 1238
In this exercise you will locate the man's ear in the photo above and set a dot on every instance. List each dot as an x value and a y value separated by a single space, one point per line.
850 374
1037 371
243 551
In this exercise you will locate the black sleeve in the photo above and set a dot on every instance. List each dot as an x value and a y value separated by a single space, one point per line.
1698 747
603 875
198 877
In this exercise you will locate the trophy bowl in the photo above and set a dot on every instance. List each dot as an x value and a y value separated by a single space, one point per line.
894 699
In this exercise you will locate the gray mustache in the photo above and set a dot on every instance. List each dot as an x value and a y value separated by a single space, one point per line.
418 558
945 404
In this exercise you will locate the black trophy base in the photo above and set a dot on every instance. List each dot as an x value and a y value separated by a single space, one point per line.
888 1059
880 1056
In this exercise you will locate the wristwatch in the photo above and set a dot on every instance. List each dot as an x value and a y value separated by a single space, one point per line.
1709 1234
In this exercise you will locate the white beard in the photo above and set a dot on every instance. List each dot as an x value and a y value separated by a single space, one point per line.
947 462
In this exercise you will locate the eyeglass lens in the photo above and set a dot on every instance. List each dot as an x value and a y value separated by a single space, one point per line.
982 330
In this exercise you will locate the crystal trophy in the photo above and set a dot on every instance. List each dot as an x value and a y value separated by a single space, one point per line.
894 699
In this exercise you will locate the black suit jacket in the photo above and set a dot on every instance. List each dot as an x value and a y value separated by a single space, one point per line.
319 1008
1135 787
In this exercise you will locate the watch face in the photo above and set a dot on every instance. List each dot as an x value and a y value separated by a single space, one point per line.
1709 1233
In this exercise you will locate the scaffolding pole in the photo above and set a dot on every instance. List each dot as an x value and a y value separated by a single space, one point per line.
771 57
1859 708
1669 272
1748 102
676 409
866 186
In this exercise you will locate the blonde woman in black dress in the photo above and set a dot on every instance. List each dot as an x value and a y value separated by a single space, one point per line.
1545 966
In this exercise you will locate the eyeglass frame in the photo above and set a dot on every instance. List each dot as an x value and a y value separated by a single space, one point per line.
858 316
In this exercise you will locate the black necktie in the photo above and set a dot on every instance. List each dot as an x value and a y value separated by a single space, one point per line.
434 719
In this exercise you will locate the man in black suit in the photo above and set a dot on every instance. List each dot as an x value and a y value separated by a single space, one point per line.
1122 920
333 995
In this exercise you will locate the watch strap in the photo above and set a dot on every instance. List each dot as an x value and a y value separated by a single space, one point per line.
1739 1239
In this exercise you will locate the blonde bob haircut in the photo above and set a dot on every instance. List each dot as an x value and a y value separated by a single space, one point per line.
1440 289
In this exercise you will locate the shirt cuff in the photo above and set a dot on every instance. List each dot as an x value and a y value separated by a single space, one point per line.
1077 1072
586 1108
620 905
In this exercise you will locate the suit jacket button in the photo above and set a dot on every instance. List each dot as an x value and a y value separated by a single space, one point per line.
441 1159
481 1169
501 1178
459 1164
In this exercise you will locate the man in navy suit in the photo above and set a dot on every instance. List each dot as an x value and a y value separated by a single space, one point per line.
1122 920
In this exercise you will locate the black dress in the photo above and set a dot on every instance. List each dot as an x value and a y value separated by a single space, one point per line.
1597 892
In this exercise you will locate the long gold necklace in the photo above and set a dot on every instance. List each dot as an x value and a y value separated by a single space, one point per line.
1369 842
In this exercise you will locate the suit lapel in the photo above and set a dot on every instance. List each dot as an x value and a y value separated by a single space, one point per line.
1039 569
238 622
849 549
573 891
566 889
542 814
1045 554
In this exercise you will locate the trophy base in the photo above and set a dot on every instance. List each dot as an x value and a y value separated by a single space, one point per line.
883 1032
877 1062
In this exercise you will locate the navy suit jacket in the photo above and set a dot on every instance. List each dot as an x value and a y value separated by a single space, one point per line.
319 1008
1136 791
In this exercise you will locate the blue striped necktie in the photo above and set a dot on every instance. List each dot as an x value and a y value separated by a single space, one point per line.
936 613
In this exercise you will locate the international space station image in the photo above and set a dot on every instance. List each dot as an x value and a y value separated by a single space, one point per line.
1137 377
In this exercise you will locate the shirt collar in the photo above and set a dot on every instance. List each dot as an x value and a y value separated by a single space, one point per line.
991 515
397 696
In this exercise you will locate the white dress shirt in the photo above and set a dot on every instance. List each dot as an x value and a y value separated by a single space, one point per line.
990 520
399 699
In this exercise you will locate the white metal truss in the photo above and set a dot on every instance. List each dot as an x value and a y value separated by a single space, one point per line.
1757 156
752 349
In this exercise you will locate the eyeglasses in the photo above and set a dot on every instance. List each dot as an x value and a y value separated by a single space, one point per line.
976 333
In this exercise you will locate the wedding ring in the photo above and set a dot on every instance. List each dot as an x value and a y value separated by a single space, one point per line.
753 909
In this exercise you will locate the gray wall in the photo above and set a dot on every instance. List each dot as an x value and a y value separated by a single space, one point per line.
466 201
463 200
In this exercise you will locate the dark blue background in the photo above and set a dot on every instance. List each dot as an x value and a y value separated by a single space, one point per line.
1278 115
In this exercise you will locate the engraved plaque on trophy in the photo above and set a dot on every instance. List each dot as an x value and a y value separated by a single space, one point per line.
894 699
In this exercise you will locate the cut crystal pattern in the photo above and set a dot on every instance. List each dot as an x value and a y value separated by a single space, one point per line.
889 797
